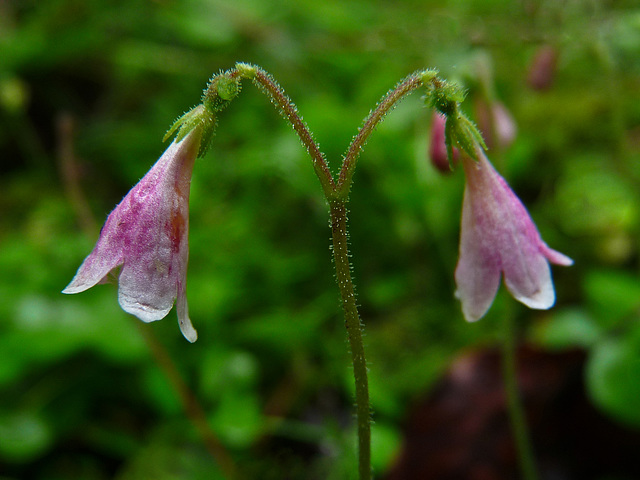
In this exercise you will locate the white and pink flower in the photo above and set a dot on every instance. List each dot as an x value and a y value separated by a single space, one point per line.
499 238
146 236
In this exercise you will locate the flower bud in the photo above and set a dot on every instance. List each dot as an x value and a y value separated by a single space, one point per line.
222 88
437 146
496 124
543 68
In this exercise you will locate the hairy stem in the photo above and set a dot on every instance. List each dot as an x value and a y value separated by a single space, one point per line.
410 83
354 333
290 112
337 196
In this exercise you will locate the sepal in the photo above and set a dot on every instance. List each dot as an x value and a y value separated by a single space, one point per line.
199 116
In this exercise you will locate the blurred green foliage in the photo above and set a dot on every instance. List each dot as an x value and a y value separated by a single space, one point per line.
87 90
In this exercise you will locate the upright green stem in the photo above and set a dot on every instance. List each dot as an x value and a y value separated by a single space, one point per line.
354 333
514 404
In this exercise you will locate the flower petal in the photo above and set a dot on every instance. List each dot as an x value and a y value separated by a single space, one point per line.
505 239
147 234
529 281
93 270
186 327
154 219
478 270
555 257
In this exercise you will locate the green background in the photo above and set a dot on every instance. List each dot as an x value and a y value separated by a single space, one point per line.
88 89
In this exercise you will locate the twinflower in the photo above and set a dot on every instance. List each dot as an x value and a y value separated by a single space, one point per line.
498 237
145 236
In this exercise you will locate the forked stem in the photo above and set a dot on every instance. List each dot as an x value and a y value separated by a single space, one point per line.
337 195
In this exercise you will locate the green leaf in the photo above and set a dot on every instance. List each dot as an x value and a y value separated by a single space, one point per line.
23 435
613 378
566 329
613 295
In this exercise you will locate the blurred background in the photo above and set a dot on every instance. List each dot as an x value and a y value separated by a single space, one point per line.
87 91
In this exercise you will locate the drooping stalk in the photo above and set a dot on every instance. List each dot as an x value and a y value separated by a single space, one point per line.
290 112
406 86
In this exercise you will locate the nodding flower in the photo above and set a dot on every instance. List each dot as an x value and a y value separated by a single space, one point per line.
498 238
146 238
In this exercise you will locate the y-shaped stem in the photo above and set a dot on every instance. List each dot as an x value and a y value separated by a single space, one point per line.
337 194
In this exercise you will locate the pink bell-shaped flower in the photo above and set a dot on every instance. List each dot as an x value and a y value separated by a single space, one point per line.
146 235
498 238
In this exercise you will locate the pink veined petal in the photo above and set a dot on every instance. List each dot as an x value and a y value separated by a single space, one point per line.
527 274
106 255
506 237
530 282
534 287
147 233
155 214
478 271
92 271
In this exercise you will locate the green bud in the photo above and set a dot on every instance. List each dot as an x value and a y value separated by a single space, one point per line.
444 96
459 131
221 90
463 133
449 139
228 88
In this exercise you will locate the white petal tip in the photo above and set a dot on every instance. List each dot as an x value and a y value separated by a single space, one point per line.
543 300
560 259
473 311
472 318
146 313
188 331
74 287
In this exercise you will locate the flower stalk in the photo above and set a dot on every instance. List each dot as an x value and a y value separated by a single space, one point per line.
353 324
337 195
515 408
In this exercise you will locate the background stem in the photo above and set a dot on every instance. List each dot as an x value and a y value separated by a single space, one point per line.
189 403
514 405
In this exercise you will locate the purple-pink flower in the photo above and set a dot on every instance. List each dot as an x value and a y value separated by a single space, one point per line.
146 235
498 238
